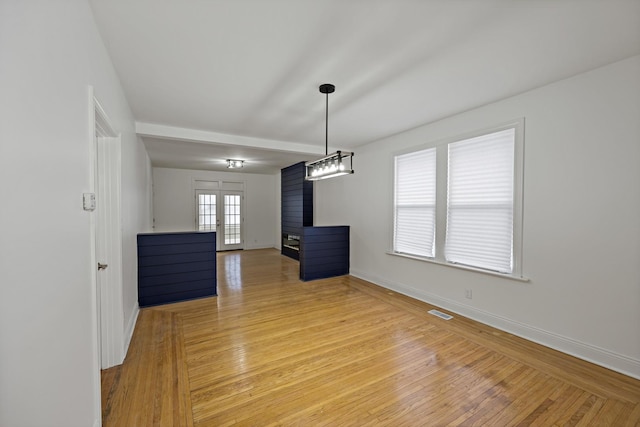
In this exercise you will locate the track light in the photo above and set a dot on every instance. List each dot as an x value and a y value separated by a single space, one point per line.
234 164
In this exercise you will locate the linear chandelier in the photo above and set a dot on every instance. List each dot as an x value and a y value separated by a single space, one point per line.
332 165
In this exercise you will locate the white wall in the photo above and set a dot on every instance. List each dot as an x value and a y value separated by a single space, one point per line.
278 192
581 219
137 217
174 202
50 52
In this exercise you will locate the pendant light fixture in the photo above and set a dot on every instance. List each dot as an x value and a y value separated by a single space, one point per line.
334 164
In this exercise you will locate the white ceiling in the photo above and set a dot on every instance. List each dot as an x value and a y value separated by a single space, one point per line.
213 79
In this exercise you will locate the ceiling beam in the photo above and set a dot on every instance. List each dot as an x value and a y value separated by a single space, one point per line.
195 135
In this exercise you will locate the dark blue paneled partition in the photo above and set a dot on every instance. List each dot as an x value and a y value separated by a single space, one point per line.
297 207
176 267
324 252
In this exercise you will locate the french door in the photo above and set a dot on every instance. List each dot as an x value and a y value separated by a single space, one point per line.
222 212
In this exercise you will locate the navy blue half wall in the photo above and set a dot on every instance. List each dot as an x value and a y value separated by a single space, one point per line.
324 252
176 267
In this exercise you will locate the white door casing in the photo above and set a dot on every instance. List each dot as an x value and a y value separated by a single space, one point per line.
108 240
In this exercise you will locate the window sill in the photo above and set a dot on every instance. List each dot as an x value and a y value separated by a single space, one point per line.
461 267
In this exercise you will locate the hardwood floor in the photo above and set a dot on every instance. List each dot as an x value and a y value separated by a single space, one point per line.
271 350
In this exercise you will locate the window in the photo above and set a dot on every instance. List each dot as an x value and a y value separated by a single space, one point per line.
480 202
206 211
232 219
415 203
469 215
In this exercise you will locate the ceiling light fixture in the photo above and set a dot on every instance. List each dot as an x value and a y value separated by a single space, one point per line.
234 164
331 165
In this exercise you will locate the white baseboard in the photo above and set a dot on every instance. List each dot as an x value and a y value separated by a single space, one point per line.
599 356
252 246
128 333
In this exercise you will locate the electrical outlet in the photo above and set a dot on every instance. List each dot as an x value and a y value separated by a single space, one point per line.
468 293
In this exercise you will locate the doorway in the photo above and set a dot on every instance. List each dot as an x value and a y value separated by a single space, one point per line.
221 211
107 235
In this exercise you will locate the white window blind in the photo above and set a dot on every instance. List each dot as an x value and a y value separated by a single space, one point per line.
480 204
415 203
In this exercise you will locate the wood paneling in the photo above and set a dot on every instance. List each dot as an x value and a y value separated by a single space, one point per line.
272 350
324 252
175 267
297 203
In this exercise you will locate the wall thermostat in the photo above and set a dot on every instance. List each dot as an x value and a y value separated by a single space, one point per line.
89 201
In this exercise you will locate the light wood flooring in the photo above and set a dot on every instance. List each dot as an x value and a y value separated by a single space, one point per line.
270 350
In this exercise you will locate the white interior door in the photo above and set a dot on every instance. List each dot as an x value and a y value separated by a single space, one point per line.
108 241
222 212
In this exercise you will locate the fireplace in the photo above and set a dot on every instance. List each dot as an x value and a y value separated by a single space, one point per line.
291 241
291 245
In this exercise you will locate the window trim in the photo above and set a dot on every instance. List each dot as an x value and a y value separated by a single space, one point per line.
441 197
460 266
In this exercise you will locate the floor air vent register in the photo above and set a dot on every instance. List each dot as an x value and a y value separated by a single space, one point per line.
440 314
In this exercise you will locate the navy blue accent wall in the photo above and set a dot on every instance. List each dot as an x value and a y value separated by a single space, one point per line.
297 203
324 252
176 267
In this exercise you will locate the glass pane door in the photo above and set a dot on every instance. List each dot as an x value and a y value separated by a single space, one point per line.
221 211
231 233
207 211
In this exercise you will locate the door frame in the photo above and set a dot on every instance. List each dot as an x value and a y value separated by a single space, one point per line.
235 246
220 218
219 188
108 315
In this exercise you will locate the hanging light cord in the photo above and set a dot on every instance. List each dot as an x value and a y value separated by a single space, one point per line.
328 166
326 127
